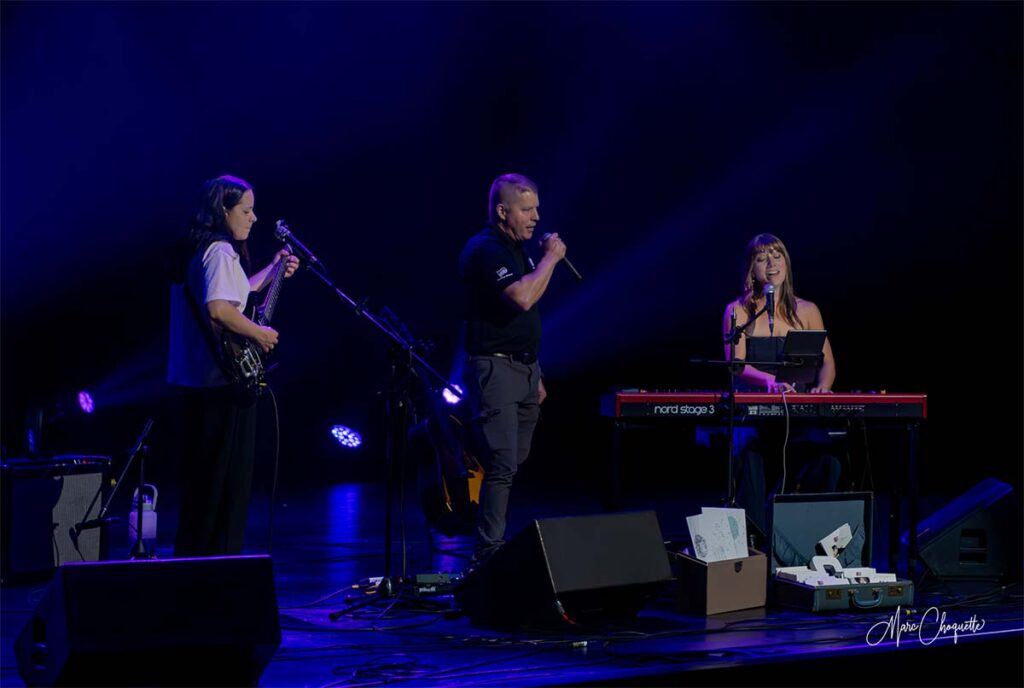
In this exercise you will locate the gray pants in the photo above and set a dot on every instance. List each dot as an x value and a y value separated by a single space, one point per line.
505 403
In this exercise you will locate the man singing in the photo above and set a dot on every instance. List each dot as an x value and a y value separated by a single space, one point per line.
501 287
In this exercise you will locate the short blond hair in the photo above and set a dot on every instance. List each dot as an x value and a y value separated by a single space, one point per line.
519 182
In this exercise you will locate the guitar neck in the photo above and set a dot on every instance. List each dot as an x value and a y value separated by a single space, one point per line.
266 311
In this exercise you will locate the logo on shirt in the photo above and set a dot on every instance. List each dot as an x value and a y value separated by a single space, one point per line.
502 273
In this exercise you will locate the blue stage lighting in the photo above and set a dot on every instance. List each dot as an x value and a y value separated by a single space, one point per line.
85 402
449 397
347 437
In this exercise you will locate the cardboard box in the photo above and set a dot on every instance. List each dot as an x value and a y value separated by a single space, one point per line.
722 586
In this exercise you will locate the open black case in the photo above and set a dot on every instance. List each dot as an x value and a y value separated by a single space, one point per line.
798 523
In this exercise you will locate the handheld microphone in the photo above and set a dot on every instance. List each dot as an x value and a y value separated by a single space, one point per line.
284 234
572 268
769 304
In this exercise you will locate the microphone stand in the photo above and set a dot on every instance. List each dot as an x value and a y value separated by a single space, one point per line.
735 367
404 362
733 337
734 370
102 519
139 548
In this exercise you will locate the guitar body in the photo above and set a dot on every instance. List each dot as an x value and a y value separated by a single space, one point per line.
450 475
245 363
244 358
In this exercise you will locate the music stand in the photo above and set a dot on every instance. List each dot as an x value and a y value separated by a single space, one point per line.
802 355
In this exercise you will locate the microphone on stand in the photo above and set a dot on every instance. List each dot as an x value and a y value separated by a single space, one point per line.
284 234
142 437
769 304
77 529
572 268
94 523
103 519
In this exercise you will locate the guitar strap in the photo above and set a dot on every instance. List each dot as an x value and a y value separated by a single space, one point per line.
207 330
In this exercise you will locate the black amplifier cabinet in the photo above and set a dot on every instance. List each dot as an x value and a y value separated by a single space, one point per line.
42 500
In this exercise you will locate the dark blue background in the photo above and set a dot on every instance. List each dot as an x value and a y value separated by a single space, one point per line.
882 142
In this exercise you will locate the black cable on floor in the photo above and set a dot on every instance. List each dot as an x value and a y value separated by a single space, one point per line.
277 463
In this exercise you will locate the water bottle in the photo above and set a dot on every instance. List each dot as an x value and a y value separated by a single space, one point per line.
149 495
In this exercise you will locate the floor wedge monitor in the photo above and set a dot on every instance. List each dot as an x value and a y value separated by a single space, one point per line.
587 569
210 621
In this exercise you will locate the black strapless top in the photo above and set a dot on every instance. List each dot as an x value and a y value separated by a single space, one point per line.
767 349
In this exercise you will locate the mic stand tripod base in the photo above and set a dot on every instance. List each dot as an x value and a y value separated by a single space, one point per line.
139 548
387 587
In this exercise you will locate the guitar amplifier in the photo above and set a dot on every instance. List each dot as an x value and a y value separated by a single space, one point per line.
42 501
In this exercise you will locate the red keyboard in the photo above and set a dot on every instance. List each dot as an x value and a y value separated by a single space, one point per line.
713 406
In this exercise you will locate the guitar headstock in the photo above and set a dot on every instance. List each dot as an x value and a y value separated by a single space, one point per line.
281 231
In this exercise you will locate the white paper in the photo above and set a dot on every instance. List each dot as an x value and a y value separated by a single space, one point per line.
820 563
736 520
835 542
717 534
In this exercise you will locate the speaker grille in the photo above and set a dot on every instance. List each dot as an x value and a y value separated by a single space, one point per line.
42 502
975 536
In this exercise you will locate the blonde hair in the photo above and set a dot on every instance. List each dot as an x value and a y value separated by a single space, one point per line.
519 182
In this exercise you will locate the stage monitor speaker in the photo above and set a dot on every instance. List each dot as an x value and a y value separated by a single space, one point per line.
976 536
43 499
590 569
182 622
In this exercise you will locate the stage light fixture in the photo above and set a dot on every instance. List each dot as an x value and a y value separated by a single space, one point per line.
346 437
449 397
85 402
41 418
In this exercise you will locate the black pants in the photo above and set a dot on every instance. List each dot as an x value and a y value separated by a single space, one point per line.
811 466
220 445
505 403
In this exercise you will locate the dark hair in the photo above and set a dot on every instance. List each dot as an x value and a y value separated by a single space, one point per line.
208 223
522 185
786 298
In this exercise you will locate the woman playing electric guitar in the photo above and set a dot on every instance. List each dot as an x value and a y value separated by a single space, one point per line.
211 291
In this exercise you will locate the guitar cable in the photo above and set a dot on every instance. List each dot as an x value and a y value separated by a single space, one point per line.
277 463
785 441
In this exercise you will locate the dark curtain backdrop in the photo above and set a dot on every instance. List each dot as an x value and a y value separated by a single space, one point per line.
881 141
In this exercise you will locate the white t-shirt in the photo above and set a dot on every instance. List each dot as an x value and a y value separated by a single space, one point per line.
219 275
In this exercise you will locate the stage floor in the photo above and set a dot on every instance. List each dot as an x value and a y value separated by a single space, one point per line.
328 539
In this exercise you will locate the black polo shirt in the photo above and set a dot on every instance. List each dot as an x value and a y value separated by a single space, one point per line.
489 263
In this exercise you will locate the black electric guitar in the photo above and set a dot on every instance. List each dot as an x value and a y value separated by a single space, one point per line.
244 359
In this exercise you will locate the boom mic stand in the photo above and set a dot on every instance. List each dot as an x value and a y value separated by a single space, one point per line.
139 548
405 362
735 368
102 519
